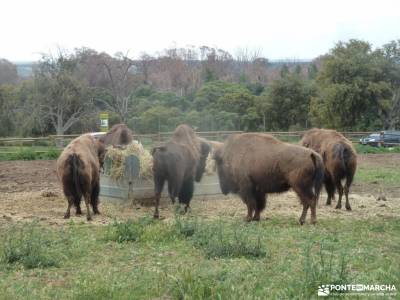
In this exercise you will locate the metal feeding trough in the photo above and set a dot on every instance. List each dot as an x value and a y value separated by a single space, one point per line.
130 187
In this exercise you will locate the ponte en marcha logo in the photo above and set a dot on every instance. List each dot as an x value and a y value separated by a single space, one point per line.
328 289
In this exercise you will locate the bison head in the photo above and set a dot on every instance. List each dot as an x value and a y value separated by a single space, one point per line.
201 166
101 152
225 181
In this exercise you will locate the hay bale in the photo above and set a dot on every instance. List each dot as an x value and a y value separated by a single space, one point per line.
210 162
118 156
210 165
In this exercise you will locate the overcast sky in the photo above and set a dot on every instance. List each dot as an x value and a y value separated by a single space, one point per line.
280 29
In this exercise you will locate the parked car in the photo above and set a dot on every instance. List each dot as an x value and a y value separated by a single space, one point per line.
382 139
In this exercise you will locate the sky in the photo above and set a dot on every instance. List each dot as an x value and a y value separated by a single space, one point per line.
284 29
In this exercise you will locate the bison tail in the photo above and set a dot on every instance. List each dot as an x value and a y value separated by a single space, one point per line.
186 192
76 166
318 179
344 154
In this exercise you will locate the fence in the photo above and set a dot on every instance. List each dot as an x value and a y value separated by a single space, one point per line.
151 139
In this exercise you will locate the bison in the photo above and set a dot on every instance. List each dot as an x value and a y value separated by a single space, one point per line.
78 169
180 161
254 165
340 161
118 135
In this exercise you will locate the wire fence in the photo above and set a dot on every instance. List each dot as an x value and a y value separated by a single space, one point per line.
42 144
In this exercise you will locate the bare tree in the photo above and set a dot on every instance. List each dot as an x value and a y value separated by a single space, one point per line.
120 84
60 95
144 64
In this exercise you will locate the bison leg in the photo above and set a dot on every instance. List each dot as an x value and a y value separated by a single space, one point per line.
186 192
349 180
94 198
70 204
330 190
158 187
340 191
171 194
250 211
260 204
308 199
87 203
313 206
304 213
156 212
248 198
78 210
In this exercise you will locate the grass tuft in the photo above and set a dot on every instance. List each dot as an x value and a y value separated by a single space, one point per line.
221 240
127 231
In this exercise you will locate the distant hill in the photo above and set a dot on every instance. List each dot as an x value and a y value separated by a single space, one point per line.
25 69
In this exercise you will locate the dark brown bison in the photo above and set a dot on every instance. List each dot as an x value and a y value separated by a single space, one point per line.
180 161
118 135
254 164
78 170
340 160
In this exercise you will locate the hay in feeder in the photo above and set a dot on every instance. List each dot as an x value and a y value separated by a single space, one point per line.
210 162
210 165
118 156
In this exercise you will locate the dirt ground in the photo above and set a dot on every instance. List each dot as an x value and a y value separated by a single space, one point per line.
29 190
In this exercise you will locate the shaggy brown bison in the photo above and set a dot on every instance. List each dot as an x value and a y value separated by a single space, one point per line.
119 134
254 164
340 160
180 161
78 170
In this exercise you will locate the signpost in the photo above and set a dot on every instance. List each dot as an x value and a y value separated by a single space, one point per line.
104 121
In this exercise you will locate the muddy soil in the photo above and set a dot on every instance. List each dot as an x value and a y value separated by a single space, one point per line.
29 190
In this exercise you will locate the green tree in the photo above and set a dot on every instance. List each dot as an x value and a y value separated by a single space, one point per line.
209 94
391 67
312 71
352 87
8 72
287 102
8 102
159 118
297 69
284 70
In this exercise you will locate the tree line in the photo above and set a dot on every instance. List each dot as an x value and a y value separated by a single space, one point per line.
352 87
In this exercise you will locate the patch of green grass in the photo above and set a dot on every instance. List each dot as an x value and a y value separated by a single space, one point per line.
221 239
171 260
31 247
29 153
367 149
232 241
385 176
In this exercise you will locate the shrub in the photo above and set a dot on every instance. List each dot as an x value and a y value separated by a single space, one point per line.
25 154
50 154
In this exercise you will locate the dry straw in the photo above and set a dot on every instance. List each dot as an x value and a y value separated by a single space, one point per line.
118 156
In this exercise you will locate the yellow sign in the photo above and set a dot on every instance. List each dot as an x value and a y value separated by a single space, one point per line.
104 121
